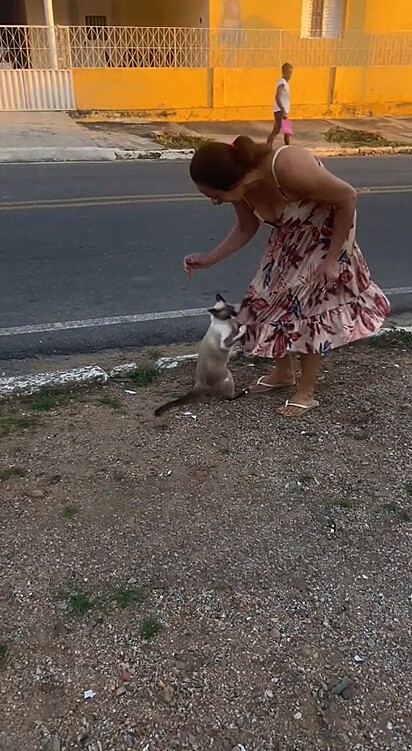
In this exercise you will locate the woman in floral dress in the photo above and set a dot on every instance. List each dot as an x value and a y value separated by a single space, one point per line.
312 291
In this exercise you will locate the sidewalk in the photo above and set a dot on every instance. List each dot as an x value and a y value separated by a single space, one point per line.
56 136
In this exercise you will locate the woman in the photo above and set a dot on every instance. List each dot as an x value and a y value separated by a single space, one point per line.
312 291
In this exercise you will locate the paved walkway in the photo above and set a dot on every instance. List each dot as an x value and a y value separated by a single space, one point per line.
56 136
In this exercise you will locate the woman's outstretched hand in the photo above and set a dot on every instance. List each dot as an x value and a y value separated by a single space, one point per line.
197 261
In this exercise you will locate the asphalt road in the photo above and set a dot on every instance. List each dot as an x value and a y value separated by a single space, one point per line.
84 242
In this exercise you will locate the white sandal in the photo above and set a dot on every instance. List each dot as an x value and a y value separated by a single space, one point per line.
303 407
268 386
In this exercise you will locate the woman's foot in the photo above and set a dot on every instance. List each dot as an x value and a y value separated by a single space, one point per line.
276 379
298 405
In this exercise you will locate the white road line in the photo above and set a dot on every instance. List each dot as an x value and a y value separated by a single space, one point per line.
165 315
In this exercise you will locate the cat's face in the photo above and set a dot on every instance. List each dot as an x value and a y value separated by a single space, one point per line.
222 310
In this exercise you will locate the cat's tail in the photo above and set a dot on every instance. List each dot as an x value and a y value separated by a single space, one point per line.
188 398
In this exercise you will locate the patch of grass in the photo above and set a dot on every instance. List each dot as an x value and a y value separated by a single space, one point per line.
110 401
4 650
78 602
398 513
180 141
395 338
6 474
47 401
356 138
128 596
69 512
144 376
11 422
150 627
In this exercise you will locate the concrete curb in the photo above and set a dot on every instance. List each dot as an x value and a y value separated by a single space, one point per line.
16 386
57 154
89 154
98 154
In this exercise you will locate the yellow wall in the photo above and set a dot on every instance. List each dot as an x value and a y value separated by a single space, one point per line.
140 89
379 15
243 93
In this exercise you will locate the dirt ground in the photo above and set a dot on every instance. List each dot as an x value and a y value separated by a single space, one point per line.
221 579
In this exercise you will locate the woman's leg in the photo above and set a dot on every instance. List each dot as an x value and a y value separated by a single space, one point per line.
282 374
305 391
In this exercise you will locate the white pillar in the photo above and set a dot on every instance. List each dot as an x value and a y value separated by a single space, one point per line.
49 18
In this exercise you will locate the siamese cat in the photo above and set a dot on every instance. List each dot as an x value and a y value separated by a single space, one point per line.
213 377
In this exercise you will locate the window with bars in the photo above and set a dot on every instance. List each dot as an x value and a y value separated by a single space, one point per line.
96 27
322 19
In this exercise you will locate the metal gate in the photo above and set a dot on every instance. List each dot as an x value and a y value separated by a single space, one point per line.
35 69
36 90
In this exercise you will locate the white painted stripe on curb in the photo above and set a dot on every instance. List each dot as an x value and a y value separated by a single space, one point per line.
165 315
62 379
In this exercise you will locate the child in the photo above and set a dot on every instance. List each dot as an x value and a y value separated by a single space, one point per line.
281 104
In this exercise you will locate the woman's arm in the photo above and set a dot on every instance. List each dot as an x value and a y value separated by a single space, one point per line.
246 227
301 176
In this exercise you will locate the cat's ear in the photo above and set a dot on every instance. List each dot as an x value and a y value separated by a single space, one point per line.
219 298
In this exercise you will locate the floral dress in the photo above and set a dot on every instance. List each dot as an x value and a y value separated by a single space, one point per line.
288 309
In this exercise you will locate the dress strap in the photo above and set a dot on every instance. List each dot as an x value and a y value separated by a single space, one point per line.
275 156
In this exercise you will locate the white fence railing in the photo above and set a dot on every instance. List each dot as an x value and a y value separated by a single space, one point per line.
40 47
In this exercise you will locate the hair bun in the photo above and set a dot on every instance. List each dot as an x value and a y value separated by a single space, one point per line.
246 150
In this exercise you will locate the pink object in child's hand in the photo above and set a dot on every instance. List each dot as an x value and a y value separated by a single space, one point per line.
286 127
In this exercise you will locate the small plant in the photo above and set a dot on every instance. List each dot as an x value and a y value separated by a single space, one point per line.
144 376
305 477
127 596
3 652
110 401
344 503
118 475
355 137
153 354
78 602
149 627
221 587
69 512
6 474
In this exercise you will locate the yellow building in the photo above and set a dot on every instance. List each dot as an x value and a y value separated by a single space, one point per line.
207 59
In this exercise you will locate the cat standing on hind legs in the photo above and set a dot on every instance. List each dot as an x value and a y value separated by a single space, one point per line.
213 377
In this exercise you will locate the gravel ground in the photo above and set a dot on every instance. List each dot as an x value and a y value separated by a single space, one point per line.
223 579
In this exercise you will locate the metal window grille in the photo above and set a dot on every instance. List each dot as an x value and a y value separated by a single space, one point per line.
316 18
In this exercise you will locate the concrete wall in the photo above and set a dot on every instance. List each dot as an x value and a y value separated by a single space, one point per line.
244 93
